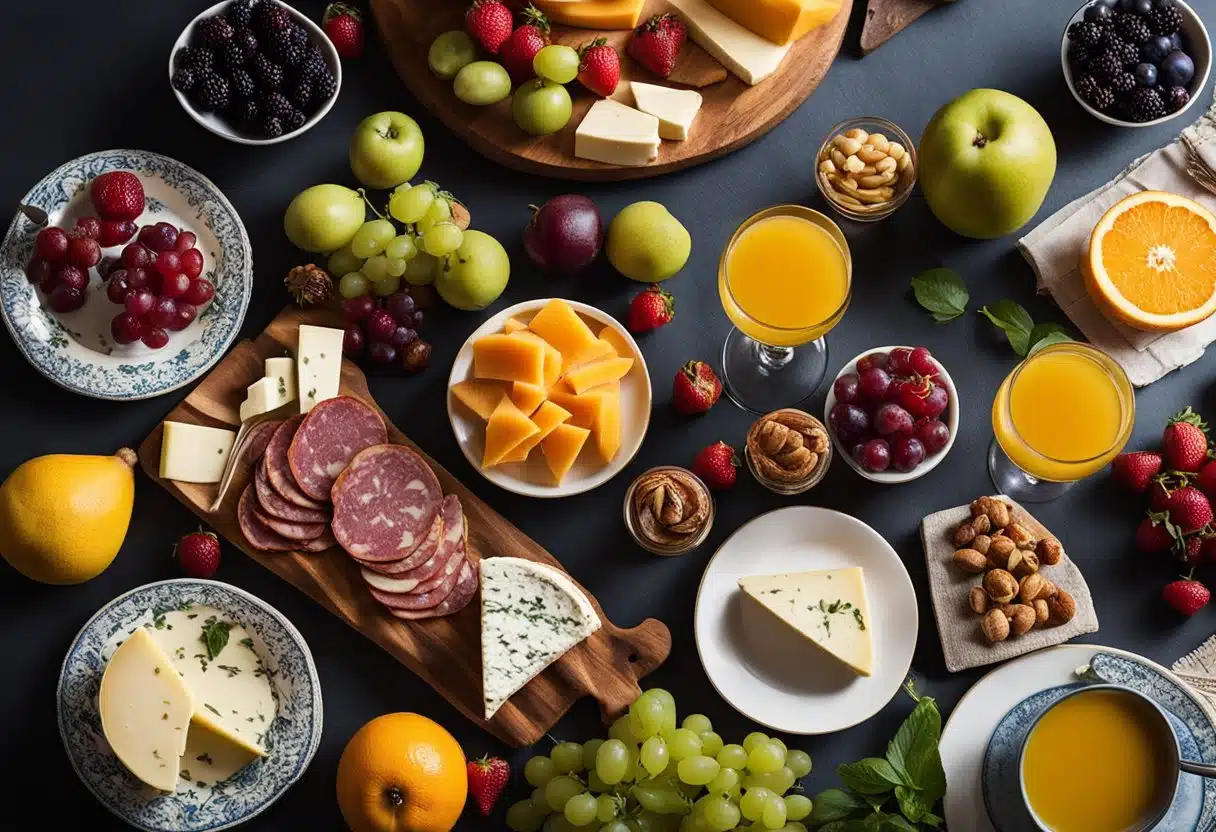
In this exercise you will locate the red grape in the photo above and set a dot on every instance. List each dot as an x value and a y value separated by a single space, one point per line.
161 237
155 338
84 252
357 309
174 286
163 313
418 319
137 277
126 328
89 227
136 255
192 262
899 361
891 418
846 388
380 326
906 453
352 341
107 266
402 336
140 302
874 456
185 241
850 422
118 288
51 279
933 434
72 277
116 232
186 313
67 298
401 307
874 359
382 352
936 402
168 263
51 243
874 384
922 362
200 292
38 269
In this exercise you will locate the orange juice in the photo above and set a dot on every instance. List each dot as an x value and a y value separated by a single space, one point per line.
785 277
1064 413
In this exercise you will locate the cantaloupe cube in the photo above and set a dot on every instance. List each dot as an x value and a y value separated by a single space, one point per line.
562 447
584 408
581 379
509 358
508 426
553 358
622 347
513 325
600 349
561 326
528 397
547 418
607 428
481 397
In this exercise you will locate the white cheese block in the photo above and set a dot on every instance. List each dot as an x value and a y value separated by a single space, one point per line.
193 453
264 395
618 135
675 109
145 711
828 607
318 364
531 614
284 369
740 50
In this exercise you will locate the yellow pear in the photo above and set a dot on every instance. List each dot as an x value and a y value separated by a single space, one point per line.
63 517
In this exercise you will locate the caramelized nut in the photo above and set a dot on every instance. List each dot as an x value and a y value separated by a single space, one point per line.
1030 587
995 626
977 599
1050 551
964 534
998 513
1001 586
981 524
1022 619
1020 535
980 506
1028 563
981 543
970 561
1062 607
1041 612
1049 589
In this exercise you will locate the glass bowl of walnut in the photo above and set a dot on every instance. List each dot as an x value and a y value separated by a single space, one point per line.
866 168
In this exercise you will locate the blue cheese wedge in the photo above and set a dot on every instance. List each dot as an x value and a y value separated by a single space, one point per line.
193 453
531 615
827 607
318 364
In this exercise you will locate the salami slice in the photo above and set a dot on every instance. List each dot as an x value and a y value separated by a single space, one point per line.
424 578
462 594
385 503
278 471
275 506
447 530
425 551
325 541
253 446
329 437
255 531
295 532
417 601
453 565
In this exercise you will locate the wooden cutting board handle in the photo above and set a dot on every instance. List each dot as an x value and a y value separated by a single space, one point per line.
887 18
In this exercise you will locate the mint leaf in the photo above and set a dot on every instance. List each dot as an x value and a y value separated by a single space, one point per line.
942 293
215 637
922 728
872 775
1014 321
836 805
876 801
930 819
844 826
1044 335
894 823
910 803
923 761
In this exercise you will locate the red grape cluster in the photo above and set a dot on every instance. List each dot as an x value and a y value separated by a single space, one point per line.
888 411
384 329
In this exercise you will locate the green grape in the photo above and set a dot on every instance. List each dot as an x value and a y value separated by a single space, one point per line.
753 803
376 268
442 238
773 816
451 52
778 781
655 756
594 783
647 821
396 267
797 807
440 211
732 756
580 809
558 823
778 743
793 826
765 758
720 814
798 762
386 286
726 780
615 826
605 808
422 270
556 63
343 261
589 749
689 790
410 204
353 285
697 723
541 107
482 83
402 247
540 802
611 761
752 740
669 708
567 758
682 743
560 789
647 714
522 817
711 743
539 770
622 729
372 237
698 770
660 801
631 767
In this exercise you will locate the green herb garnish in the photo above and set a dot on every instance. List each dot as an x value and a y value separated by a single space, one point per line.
942 293
1024 336
215 636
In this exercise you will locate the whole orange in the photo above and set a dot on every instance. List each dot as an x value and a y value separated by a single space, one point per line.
402 773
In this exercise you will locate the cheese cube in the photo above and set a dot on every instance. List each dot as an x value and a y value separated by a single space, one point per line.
743 52
193 453
265 395
675 109
617 135
780 21
318 364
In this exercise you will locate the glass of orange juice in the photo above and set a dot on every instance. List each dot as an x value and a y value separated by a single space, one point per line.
1062 414
785 279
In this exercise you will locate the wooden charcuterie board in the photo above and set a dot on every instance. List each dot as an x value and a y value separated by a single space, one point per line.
445 652
887 18
732 116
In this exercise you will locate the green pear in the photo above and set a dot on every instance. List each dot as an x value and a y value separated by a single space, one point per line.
646 243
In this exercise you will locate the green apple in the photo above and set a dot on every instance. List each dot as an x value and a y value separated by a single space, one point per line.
646 243
386 150
476 274
986 161
323 218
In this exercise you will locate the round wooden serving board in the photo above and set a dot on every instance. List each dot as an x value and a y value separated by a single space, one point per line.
732 116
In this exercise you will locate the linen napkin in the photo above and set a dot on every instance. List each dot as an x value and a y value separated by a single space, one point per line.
1198 670
1054 248
963 644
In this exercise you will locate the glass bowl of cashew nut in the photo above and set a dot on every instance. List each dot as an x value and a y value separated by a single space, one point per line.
866 168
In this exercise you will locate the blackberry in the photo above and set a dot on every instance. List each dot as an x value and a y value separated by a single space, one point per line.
301 93
1146 105
1122 82
240 12
1165 20
232 56
200 59
1106 66
241 83
312 66
294 121
1126 53
247 114
1110 38
184 80
285 49
1132 29
269 16
268 74
214 32
276 105
212 92
1087 32
272 128
248 42
1176 98
323 87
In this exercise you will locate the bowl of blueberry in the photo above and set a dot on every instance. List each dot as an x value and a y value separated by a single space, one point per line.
255 71
892 413
1136 63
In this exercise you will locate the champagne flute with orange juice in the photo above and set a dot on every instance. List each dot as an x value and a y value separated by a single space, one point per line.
785 279
1064 413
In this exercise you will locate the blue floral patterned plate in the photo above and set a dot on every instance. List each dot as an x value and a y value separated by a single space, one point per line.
75 350
1194 808
291 740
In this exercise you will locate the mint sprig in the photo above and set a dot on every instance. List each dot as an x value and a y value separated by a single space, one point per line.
942 293
1020 330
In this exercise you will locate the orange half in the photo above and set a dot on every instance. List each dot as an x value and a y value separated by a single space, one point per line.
1151 262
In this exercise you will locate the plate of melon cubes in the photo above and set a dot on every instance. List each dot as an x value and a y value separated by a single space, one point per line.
549 398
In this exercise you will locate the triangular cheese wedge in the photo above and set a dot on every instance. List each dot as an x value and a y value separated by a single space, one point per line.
531 615
827 607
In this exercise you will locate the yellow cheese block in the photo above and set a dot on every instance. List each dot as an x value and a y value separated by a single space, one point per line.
562 447
547 418
508 426
584 408
608 426
513 325
600 349
561 326
553 358
582 379
619 344
780 21
528 397
593 14
509 358
481 397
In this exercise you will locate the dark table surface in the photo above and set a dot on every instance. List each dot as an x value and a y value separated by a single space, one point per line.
84 77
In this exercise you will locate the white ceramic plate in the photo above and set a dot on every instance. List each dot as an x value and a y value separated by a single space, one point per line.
532 478
766 670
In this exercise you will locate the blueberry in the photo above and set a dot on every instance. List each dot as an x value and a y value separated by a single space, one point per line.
1126 5
1155 49
1177 69
1110 4
1098 13
1142 7
1146 75
1176 41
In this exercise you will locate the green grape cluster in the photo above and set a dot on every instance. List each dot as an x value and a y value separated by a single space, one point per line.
652 774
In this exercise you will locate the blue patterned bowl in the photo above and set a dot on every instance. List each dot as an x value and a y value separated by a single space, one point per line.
76 350
292 738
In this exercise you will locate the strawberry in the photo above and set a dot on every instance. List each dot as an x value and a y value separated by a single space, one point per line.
1136 470
1159 493
344 25
489 22
198 553
517 52
117 195
717 465
1187 596
651 309
1190 551
696 388
1189 509
1206 480
487 779
599 67
1185 441
1153 536
656 43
